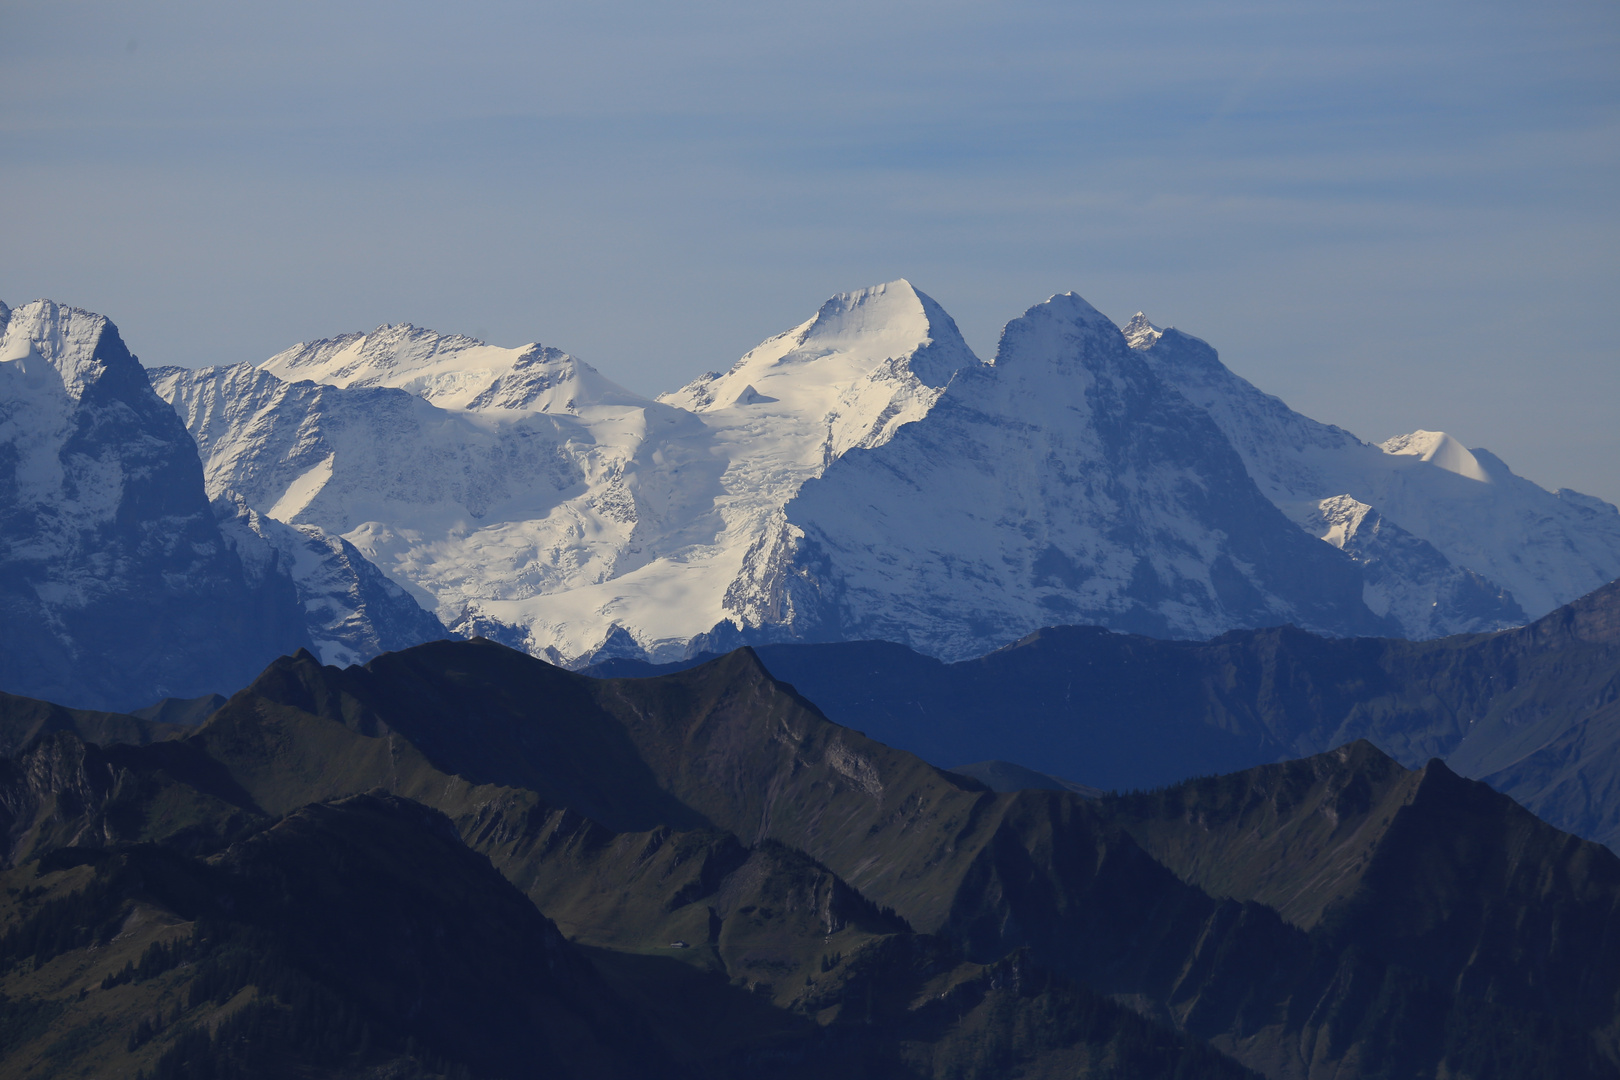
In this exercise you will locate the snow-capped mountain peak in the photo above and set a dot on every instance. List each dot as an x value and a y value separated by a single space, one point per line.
1063 327
51 355
1441 450
115 579
1528 549
1140 333
854 336
55 343
452 371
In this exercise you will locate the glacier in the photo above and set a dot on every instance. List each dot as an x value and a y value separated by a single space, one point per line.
865 474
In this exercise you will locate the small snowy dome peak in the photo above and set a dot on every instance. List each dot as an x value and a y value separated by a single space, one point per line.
1064 325
452 372
67 343
1140 333
1441 450
548 380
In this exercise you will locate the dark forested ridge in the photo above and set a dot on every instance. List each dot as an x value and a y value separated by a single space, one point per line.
1534 711
700 875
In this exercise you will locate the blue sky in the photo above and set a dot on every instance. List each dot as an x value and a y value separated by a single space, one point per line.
1391 215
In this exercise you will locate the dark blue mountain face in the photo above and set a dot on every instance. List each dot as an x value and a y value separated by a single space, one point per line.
1534 711
116 586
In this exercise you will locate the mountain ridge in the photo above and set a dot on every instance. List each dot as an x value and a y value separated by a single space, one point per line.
1532 710
755 505
1032 880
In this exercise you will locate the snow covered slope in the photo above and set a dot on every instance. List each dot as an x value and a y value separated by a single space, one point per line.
1479 548
462 507
1064 483
523 496
116 585
453 372
864 474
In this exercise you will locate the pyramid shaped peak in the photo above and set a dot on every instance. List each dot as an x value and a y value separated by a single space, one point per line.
1140 333
852 338
1061 325
894 306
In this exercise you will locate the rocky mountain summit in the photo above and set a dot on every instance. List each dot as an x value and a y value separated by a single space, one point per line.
116 582
865 475
120 583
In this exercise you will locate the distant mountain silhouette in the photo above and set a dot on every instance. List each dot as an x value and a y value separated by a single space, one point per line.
1534 711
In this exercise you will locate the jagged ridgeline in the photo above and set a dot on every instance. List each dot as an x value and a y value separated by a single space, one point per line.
460 860
1533 711
864 475
165 533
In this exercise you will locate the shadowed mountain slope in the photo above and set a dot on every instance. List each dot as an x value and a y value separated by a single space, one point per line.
22 719
810 975
703 770
116 584
1533 711
355 938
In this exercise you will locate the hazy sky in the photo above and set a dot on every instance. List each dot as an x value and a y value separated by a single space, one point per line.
1392 215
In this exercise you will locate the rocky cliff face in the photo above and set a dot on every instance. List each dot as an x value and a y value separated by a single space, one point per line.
116 585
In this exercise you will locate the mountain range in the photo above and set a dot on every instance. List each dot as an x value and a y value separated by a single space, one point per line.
338 874
397 854
1534 711
862 476
865 475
